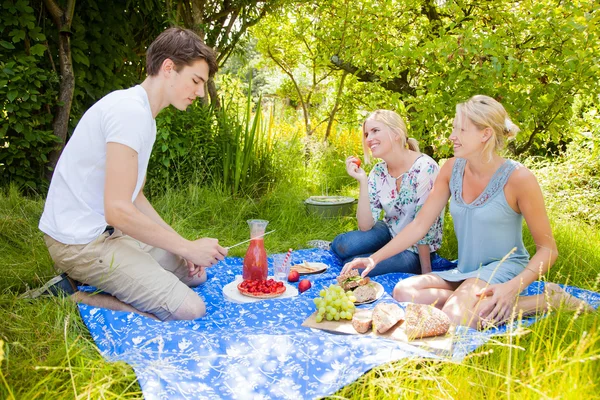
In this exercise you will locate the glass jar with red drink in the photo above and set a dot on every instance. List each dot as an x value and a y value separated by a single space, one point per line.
255 261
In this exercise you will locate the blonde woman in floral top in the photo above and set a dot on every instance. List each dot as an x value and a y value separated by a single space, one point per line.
398 186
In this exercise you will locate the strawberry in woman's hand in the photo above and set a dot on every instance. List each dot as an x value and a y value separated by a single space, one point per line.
357 162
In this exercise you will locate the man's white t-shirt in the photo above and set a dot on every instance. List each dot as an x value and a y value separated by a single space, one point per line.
74 210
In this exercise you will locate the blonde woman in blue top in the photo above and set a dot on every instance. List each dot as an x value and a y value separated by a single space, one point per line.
489 196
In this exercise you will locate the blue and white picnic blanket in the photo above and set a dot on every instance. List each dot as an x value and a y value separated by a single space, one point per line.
258 350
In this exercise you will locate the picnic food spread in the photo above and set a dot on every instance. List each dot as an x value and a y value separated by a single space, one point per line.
262 289
337 303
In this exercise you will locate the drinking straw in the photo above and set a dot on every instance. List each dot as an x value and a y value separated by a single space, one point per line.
287 256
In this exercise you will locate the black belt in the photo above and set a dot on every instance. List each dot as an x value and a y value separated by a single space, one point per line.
109 229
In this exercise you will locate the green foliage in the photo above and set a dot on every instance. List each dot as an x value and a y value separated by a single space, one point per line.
571 183
108 44
297 50
27 92
422 57
108 47
246 147
185 149
208 146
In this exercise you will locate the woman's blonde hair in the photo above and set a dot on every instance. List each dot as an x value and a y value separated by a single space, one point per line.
396 124
485 112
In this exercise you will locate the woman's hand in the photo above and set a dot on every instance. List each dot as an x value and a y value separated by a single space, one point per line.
354 170
501 299
367 263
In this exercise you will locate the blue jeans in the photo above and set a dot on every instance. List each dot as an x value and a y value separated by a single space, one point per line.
355 244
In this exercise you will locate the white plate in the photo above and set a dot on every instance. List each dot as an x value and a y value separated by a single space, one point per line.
231 292
380 292
313 268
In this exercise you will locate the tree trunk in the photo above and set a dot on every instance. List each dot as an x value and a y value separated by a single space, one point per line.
214 95
62 19
67 88
335 106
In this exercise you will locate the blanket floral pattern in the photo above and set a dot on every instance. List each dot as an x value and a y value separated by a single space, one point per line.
257 350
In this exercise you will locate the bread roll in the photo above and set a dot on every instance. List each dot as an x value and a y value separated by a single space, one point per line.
423 320
362 320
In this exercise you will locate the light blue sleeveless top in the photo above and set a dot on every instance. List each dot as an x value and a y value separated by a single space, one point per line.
487 230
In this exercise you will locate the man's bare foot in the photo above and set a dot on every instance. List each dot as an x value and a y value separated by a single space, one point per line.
558 298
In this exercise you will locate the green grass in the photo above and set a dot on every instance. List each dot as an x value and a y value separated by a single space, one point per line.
48 352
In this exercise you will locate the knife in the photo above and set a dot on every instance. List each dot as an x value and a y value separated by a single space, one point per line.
246 241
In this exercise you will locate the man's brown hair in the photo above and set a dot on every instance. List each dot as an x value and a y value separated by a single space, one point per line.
183 47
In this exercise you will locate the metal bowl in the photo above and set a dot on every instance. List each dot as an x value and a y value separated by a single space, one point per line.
330 206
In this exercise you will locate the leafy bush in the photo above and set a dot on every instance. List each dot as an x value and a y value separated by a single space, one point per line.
571 183
107 51
27 92
185 150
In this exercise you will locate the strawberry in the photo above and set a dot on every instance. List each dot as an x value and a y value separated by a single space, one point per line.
357 162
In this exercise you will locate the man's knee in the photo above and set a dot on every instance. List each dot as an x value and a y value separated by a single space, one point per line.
197 280
192 308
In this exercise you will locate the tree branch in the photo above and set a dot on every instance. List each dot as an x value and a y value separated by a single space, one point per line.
302 102
399 84
55 11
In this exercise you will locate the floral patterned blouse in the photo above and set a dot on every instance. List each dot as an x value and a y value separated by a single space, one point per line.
401 206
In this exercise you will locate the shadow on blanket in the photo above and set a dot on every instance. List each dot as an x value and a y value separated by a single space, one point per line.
259 349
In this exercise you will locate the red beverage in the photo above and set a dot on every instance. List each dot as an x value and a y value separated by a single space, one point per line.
255 261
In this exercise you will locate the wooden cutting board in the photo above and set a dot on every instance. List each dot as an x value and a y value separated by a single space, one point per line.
441 345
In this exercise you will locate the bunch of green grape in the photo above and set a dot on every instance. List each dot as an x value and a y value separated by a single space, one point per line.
334 304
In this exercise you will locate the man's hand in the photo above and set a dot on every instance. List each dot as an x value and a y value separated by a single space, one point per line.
500 303
367 263
194 270
203 253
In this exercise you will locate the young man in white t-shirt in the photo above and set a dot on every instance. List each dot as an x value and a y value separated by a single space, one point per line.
99 227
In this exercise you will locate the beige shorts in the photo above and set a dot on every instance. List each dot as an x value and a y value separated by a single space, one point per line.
148 278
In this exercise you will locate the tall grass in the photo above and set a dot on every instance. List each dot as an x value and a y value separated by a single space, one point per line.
247 156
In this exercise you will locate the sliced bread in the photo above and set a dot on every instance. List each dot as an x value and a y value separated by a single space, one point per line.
423 320
386 315
362 320
365 293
